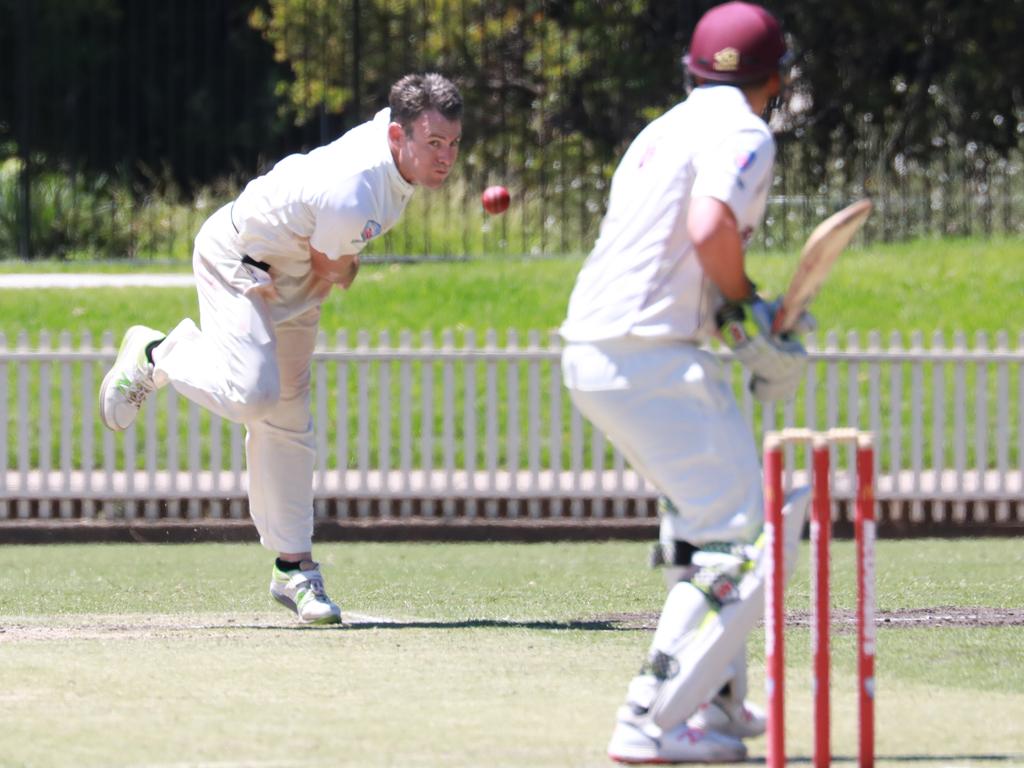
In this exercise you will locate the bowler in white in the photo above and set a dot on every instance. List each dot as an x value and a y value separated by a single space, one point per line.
264 264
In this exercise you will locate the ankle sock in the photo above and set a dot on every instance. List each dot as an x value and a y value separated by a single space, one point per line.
149 350
287 565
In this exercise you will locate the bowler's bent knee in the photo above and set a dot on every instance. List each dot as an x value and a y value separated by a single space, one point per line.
255 396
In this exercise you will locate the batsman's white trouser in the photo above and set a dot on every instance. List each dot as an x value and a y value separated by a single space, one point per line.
668 407
250 363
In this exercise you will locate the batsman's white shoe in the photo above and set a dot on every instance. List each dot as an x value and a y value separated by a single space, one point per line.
637 744
129 381
303 592
742 720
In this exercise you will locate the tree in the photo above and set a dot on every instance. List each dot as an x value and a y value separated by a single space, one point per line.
917 77
181 90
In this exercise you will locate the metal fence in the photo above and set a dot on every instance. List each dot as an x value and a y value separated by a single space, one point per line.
123 124
474 427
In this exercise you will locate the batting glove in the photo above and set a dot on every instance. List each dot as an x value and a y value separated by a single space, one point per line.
776 363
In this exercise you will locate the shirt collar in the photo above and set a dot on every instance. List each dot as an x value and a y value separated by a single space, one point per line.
725 94
398 182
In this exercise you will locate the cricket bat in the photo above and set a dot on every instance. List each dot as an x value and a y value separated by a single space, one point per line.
819 253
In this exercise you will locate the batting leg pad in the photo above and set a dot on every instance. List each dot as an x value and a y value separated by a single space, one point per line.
705 623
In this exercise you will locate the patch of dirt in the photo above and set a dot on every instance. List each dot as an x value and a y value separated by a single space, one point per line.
846 621
123 626
970 617
629 620
20 629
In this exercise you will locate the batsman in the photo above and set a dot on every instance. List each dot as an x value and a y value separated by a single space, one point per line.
264 264
666 276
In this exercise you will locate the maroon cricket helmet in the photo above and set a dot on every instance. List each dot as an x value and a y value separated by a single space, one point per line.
736 42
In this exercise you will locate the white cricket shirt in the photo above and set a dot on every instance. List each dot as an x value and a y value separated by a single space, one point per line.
336 198
643 277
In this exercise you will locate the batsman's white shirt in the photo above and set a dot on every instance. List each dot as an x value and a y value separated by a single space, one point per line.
643 277
642 306
250 362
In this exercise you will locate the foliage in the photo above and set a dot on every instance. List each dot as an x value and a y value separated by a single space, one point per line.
113 102
548 70
78 215
117 87
910 78
66 212
516 66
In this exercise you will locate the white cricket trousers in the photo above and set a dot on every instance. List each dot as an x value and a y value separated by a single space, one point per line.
249 362
669 408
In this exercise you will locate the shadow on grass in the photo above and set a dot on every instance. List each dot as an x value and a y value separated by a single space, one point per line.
597 625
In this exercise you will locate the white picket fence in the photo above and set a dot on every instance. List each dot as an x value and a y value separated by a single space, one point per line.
474 427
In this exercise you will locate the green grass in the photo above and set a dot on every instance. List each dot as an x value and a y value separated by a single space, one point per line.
48 266
968 285
518 293
926 285
504 655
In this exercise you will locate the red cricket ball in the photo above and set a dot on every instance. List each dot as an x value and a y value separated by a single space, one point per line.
495 199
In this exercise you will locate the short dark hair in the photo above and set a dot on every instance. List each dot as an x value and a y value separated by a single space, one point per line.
415 94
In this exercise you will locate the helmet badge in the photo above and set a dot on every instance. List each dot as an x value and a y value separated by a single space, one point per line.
727 60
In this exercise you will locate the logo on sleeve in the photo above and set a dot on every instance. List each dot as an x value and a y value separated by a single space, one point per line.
370 230
745 159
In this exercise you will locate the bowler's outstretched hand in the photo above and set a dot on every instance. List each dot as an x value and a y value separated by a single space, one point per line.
341 271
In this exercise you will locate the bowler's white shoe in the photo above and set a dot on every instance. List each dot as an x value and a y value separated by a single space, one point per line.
129 381
638 744
742 720
303 592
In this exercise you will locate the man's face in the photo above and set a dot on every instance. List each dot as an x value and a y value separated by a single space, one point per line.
426 154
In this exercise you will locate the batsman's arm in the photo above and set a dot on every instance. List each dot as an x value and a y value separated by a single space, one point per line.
776 365
712 227
341 271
